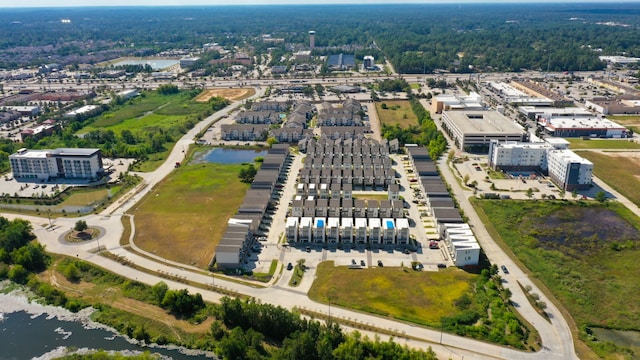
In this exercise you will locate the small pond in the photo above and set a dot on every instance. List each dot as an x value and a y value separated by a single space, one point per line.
228 156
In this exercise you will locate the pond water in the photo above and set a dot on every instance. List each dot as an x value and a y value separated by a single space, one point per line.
26 336
229 156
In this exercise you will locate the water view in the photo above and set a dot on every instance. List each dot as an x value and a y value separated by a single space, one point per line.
26 336
229 156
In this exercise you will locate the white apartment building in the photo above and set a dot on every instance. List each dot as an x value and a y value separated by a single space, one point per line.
291 229
518 155
63 163
347 230
568 170
388 231
402 231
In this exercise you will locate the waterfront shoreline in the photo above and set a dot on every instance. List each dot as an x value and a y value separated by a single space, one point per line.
20 299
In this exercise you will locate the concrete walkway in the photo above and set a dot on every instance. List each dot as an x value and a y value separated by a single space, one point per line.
556 336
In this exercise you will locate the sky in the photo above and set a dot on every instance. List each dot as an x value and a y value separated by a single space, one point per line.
72 3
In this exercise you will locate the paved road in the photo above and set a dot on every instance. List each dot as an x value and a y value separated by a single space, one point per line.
556 336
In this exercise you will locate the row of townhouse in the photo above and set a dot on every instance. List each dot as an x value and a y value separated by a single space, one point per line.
359 178
351 208
244 132
344 132
348 161
239 235
337 190
334 230
277 106
461 244
441 205
349 113
258 117
353 147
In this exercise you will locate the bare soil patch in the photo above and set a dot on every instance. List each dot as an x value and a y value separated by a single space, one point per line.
227 93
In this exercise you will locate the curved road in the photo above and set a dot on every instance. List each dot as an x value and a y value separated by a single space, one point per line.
556 336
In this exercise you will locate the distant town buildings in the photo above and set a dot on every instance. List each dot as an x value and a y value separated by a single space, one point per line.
341 62
312 39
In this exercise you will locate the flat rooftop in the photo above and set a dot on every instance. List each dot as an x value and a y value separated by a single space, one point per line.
483 122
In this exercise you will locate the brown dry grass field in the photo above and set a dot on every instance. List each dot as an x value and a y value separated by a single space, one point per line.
397 112
185 216
227 93
621 170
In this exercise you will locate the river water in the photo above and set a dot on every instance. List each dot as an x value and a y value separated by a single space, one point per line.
33 331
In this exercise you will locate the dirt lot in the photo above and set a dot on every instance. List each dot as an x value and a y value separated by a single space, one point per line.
229 94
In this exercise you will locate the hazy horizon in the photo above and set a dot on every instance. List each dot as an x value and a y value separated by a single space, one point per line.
158 3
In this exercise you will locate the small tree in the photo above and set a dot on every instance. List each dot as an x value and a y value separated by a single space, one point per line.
574 194
529 193
81 225
601 196
466 179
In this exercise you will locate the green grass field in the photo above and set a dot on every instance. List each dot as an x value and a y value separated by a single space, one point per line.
397 112
613 144
184 217
585 253
420 297
148 110
620 173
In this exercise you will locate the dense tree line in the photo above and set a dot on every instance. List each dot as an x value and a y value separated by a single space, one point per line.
243 326
19 254
414 37
486 315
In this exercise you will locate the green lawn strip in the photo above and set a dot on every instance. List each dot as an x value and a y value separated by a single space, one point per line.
296 277
371 197
585 273
619 173
397 112
616 144
266 277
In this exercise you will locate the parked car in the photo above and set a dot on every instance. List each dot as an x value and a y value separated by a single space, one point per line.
308 249
380 263
353 261
362 263
289 266
504 269
442 266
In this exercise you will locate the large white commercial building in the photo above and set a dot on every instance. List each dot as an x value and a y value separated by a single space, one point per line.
441 103
474 130
63 163
569 171
565 168
576 122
